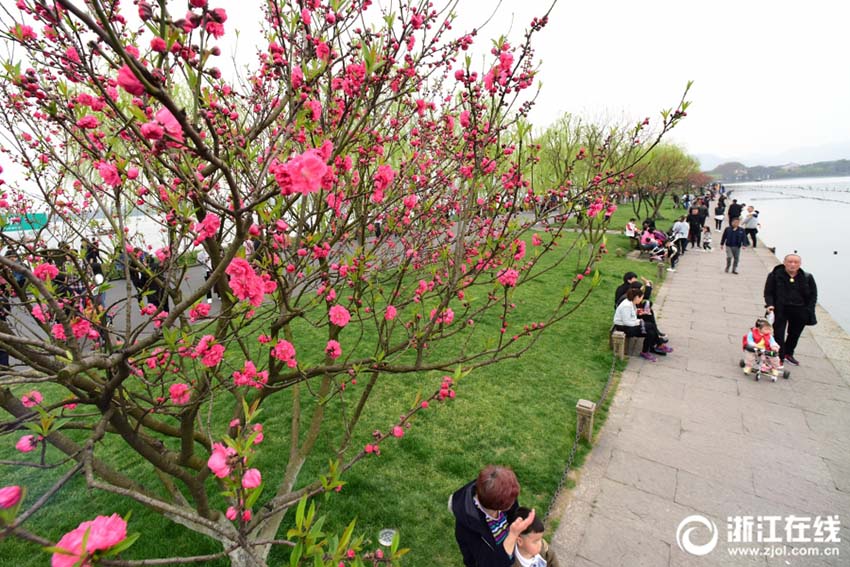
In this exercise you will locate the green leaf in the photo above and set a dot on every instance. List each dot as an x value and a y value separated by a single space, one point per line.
252 498
311 514
123 546
297 552
299 512
417 400
346 536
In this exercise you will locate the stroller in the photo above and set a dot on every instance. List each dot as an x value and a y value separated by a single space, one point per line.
763 359
761 366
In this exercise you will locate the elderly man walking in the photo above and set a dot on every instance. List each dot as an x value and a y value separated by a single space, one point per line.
791 294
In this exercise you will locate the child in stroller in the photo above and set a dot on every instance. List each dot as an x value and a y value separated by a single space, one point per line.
761 352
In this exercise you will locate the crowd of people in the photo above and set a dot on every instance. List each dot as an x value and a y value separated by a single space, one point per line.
691 229
790 294
80 281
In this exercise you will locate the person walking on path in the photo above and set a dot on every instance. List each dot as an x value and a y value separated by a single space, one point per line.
751 224
791 295
733 238
680 234
702 209
734 210
694 227
719 215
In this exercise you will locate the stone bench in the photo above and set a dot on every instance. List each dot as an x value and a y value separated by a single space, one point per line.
624 346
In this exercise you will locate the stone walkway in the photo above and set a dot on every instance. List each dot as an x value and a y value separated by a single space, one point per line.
691 434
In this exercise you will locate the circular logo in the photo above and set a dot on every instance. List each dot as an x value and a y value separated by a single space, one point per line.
683 535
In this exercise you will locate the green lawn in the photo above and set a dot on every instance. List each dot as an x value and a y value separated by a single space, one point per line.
666 215
520 413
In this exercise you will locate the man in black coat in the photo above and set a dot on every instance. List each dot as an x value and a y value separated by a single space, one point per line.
791 294
734 210
630 278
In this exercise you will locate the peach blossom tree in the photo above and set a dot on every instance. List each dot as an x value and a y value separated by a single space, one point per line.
360 195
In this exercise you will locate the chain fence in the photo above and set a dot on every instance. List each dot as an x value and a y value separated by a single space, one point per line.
574 448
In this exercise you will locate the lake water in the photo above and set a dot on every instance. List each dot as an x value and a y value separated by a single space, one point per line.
810 216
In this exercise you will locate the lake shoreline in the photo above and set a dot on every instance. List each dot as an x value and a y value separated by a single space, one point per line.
807 216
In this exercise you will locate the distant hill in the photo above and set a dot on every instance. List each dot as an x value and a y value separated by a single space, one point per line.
737 171
805 154
710 161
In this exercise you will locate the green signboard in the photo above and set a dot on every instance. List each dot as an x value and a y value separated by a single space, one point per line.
33 221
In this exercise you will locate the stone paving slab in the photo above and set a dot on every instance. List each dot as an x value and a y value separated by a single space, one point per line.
691 434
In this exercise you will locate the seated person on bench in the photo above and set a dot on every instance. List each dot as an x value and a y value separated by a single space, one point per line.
626 320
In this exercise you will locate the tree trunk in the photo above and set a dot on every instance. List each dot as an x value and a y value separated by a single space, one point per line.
241 558
268 531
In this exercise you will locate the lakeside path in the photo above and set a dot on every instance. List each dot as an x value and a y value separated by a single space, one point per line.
691 434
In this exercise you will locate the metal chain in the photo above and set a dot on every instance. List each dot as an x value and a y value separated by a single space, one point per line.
576 441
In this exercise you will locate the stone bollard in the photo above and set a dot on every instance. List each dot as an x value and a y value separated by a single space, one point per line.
618 344
584 415
660 266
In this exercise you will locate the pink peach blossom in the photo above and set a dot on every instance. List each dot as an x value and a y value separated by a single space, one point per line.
333 349
58 332
384 177
258 429
158 44
31 399
339 315
46 272
152 130
109 173
219 461
249 376
207 228
285 352
88 122
99 534
303 173
39 313
179 394
251 479
390 313
508 278
10 496
245 283
170 124
128 81
81 328
27 443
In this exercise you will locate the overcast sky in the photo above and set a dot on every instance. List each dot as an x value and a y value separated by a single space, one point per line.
768 75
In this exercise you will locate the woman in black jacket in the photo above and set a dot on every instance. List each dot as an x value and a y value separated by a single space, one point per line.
486 522
695 223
